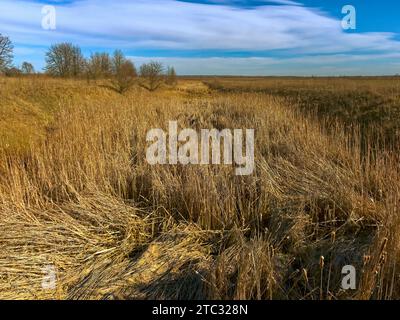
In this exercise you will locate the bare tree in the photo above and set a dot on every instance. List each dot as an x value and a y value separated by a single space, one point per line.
171 78
6 52
12 72
125 76
64 60
152 75
123 72
27 68
117 61
99 65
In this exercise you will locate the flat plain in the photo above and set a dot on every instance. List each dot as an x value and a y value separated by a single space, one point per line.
77 194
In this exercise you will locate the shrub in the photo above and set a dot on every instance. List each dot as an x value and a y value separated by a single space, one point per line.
152 75
125 76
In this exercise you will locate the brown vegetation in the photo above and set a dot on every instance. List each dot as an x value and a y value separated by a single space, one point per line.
76 192
152 75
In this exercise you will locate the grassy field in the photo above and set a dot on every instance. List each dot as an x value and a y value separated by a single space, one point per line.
76 192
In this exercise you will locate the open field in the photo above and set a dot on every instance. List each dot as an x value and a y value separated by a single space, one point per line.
76 192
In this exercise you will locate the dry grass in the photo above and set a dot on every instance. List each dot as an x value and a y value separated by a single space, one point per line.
76 192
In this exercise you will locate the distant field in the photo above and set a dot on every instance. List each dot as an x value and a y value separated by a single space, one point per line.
76 192
373 103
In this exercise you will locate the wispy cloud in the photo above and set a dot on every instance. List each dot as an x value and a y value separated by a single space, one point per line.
282 26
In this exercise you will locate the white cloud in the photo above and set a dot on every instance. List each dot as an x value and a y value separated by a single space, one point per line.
170 24
174 25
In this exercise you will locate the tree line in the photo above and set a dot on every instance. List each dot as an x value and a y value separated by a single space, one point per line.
66 60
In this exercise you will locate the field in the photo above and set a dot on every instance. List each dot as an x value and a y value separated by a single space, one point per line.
77 195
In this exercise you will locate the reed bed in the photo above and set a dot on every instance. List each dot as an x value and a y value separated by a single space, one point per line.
77 193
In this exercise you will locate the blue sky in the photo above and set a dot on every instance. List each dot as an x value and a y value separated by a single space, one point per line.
237 37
